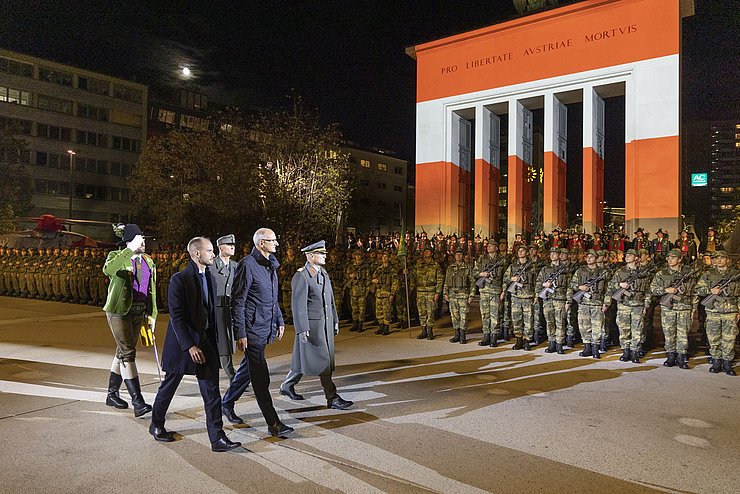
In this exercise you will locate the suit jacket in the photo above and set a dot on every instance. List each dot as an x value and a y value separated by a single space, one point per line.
192 322
315 311
223 276
120 270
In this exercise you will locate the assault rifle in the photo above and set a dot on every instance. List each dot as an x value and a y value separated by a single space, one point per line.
552 278
722 284
581 294
679 284
620 294
482 282
514 286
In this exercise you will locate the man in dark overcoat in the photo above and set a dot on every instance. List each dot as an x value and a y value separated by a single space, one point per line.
316 323
190 346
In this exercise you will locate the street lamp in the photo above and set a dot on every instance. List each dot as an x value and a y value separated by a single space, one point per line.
71 180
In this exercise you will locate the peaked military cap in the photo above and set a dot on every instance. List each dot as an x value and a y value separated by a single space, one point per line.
592 252
719 253
226 240
563 250
319 247
630 251
674 252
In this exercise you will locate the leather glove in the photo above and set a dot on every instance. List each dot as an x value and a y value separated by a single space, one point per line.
304 337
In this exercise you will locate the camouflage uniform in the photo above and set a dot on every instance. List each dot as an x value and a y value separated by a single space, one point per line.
385 280
357 280
522 315
21 266
458 288
3 261
676 319
554 306
632 309
590 315
490 295
721 322
427 278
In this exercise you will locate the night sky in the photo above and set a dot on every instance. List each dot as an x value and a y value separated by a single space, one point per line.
345 58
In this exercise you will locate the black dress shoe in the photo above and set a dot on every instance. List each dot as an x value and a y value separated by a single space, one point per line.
279 429
161 434
289 391
224 444
230 414
338 403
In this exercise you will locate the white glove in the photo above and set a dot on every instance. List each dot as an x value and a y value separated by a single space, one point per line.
336 329
150 322
304 337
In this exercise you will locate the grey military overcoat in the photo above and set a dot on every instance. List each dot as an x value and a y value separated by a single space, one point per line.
314 310
223 277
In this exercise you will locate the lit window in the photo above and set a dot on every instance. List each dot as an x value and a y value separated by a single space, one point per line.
365 163
503 190
502 203
726 189
382 167
166 116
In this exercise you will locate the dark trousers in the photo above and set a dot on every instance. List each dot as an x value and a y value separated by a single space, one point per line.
330 389
211 403
253 367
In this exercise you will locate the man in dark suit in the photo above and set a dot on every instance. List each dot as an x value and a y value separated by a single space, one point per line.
190 347
222 273
257 321
316 323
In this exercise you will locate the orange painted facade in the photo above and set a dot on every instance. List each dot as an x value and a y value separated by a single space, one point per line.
652 175
593 190
443 204
584 36
486 198
519 197
554 192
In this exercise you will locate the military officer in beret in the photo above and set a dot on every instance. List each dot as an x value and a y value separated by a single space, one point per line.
316 322
222 272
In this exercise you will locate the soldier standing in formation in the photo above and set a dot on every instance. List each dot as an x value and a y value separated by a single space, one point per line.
519 280
222 273
589 280
552 282
723 282
428 279
385 280
458 292
631 306
357 281
490 268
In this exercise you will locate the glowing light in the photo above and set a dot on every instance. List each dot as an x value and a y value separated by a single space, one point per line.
186 71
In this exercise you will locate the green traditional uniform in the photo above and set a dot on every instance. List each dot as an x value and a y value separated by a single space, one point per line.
554 305
385 280
631 309
357 281
522 315
590 315
490 294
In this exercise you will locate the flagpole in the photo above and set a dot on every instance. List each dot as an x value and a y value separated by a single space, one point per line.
402 243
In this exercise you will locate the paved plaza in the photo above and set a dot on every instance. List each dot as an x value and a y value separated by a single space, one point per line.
429 416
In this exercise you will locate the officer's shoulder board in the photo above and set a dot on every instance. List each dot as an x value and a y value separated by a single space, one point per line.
301 269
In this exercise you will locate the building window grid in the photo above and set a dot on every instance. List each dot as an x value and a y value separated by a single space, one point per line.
126 144
15 67
17 96
54 132
365 163
57 105
55 76
166 116
92 112
382 167
92 85
92 139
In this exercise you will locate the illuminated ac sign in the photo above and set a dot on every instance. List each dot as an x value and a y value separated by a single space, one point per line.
699 180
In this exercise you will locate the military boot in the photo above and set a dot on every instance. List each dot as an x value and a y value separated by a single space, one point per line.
569 341
671 360
525 345
727 367
595 350
486 340
423 333
716 366
550 347
354 326
463 338
494 340
519 344
430 333
559 349
602 346
625 355
386 330
359 327
380 329
635 354
455 338
137 399
682 360
586 352
114 399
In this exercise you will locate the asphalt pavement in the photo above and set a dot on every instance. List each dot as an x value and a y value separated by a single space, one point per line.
429 416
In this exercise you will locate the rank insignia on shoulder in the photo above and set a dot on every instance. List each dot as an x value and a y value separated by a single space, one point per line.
301 269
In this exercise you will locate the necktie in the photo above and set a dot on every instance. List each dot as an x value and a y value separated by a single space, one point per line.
204 284
139 274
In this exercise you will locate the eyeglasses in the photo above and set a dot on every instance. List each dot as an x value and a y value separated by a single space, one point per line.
269 240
